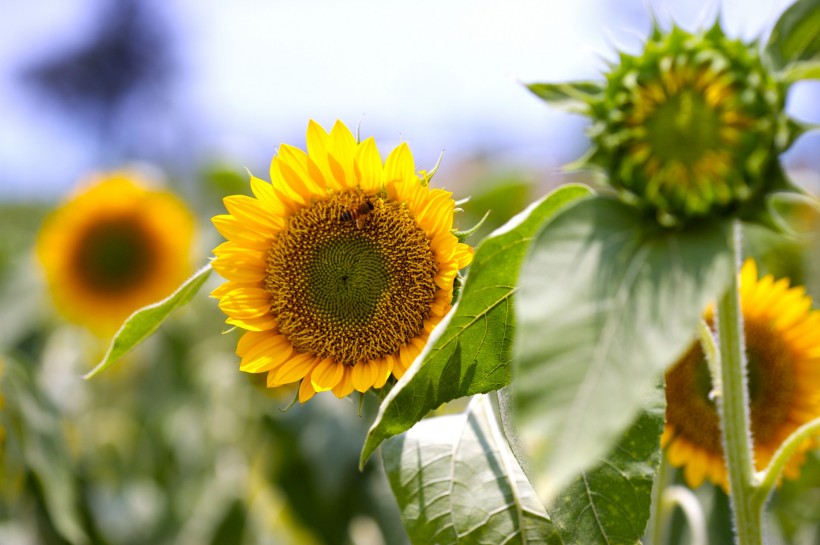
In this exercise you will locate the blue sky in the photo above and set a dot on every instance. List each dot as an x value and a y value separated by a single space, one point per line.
248 74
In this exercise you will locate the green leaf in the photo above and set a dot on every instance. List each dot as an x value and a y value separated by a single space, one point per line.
470 351
802 70
142 323
570 97
611 502
607 300
456 481
795 36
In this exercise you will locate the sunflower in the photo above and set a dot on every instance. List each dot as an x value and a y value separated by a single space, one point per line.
783 352
689 127
339 268
114 247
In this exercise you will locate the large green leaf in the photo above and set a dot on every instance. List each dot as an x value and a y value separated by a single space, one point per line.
570 97
145 321
610 503
456 481
796 35
470 351
606 302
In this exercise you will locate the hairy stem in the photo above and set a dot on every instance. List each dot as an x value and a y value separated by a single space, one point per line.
733 404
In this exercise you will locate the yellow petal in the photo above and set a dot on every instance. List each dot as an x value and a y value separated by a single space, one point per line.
286 182
326 375
463 255
296 160
245 234
400 166
251 211
243 265
318 142
342 145
245 303
345 386
383 371
696 469
364 374
292 370
249 340
254 323
368 166
306 391
437 215
266 355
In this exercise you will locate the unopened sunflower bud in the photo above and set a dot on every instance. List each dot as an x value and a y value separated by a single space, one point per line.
691 127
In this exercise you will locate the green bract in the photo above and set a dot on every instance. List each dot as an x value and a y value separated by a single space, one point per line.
691 127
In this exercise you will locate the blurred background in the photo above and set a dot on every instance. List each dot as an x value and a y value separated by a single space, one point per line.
174 445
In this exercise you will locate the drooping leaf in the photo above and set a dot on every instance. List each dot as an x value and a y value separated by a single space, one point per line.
145 321
569 97
456 481
606 301
611 502
796 35
470 351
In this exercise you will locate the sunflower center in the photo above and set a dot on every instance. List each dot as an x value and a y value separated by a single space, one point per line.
114 256
772 382
683 128
349 276
772 387
352 278
689 408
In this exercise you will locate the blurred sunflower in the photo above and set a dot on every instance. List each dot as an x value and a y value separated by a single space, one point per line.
783 352
114 247
339 268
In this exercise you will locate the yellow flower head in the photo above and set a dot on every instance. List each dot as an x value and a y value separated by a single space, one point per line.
783 351
339 268
114 247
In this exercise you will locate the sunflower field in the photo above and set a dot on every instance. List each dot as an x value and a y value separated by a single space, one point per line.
601 332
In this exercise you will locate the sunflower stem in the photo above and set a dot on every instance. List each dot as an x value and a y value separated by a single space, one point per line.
710 349
733 405
768 477
660 510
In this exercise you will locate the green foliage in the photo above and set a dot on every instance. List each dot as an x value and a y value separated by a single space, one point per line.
570 97
795 37
470 351
610 503
145 321
606 302
456 481
35 436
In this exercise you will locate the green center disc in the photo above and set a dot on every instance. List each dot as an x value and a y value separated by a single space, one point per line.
351 278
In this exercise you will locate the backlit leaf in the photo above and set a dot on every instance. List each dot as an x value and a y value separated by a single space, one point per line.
796 35
145 321
606 302
570 97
